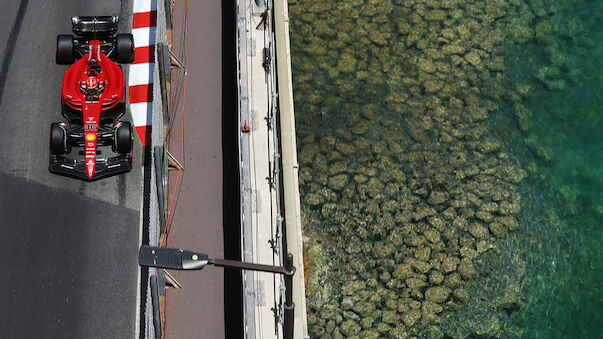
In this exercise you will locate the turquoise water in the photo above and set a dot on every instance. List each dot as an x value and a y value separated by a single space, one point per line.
562 144
451 167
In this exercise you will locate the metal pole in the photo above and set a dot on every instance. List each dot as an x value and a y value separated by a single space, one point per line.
288 271
156 311
173 258
289 305
159 165
252 267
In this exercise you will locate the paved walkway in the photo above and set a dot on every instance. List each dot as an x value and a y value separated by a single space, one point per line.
197 310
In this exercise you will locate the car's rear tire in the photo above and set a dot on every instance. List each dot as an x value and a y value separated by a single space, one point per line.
123 138
65 49
125 48
58 139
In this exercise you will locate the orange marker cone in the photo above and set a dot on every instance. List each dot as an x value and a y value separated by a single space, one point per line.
245 127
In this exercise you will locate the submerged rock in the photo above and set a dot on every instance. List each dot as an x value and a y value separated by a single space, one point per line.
415 283
350 328
437 197
432 235
473 58
338 182
402 271
449 264
438 294
430 310
411 317
478 230
390 317
423 212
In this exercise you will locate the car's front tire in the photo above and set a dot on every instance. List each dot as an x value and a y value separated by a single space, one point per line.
125 48
65 49
58 139
123 138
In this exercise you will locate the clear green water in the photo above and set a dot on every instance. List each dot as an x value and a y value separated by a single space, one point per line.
551 126
563 216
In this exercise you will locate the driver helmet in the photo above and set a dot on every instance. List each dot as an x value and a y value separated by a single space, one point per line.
92 81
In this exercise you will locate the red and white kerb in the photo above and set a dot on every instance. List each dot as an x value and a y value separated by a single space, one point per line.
144 22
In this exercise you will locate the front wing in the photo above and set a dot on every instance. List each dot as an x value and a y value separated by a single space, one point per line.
76 168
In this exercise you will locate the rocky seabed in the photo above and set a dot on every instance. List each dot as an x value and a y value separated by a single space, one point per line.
407 196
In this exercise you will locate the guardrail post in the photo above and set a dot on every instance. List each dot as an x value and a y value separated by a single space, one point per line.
289 305
163 56
167 5
159 173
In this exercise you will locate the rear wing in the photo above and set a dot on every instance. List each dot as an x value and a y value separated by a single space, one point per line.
88 25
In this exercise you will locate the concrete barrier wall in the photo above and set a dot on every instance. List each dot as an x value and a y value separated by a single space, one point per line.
289 161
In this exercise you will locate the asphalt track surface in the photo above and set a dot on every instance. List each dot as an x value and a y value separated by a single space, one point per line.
68 249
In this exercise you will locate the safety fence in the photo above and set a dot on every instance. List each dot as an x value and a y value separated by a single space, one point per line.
161 113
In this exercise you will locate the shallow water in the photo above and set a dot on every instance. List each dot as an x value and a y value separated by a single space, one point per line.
365 111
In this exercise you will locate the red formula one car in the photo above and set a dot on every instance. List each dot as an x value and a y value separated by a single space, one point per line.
93 100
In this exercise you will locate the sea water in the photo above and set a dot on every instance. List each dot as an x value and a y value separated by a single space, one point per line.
562 146
384 90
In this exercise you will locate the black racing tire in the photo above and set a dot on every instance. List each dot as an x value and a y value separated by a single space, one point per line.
123 138
125 48
65 49
58 139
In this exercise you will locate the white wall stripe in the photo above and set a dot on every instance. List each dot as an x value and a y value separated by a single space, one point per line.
141 74
144 36
141 6
141 113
